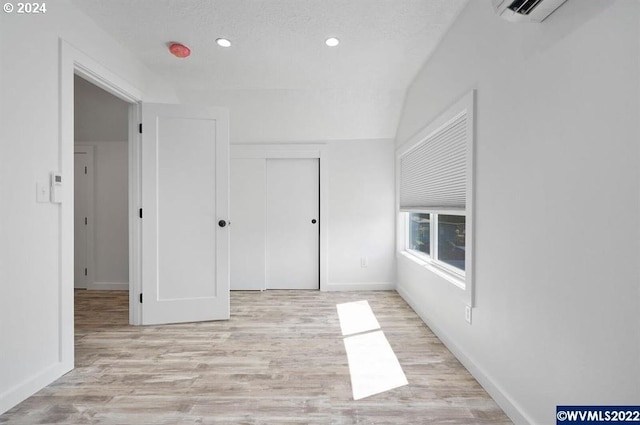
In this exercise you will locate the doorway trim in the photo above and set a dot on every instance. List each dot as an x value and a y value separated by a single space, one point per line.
298 150
74 62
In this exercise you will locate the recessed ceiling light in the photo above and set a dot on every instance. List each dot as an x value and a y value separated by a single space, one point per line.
332 42
223 42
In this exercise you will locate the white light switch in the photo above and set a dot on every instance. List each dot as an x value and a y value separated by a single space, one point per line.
42 192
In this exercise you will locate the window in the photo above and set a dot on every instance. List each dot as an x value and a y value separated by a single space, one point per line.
435 171
420 233
451 240
449 246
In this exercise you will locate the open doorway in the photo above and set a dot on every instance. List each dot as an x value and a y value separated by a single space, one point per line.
101 204
206 127
75 63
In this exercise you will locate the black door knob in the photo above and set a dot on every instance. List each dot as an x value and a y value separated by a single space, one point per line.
313 221
222 223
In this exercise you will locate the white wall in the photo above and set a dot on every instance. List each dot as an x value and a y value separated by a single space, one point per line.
30 255
361 199
557 205
98 116
289 115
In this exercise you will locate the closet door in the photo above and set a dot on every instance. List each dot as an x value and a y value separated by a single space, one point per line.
249 223
293 225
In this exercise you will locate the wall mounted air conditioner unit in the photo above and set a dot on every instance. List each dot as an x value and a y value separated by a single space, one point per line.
526 10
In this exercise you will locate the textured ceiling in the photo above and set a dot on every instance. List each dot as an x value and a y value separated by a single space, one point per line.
279 44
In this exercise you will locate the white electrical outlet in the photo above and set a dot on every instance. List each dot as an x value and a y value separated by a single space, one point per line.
467 313
363 262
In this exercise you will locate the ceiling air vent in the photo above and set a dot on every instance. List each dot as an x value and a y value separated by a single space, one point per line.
526 10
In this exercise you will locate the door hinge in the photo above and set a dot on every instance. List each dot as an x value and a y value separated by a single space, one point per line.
85 221
140 212
85 271
140 298
140 128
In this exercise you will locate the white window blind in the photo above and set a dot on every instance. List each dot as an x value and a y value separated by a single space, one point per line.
433 175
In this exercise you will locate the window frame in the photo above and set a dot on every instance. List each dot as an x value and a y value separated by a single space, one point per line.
464 280
453 274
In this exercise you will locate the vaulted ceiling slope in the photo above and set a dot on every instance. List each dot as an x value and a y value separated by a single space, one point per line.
281 82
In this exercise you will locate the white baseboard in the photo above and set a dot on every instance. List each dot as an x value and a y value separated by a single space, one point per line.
30 386
108 286
360 286
505 402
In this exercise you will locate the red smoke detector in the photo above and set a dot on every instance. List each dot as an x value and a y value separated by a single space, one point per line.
179 50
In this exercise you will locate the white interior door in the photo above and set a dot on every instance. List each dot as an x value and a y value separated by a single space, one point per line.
83 215
185 200
248 215
293 236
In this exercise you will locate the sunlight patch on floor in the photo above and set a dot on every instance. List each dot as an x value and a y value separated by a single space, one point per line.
356 317
373 365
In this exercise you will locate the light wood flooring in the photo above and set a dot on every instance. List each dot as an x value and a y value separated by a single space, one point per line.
279 360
